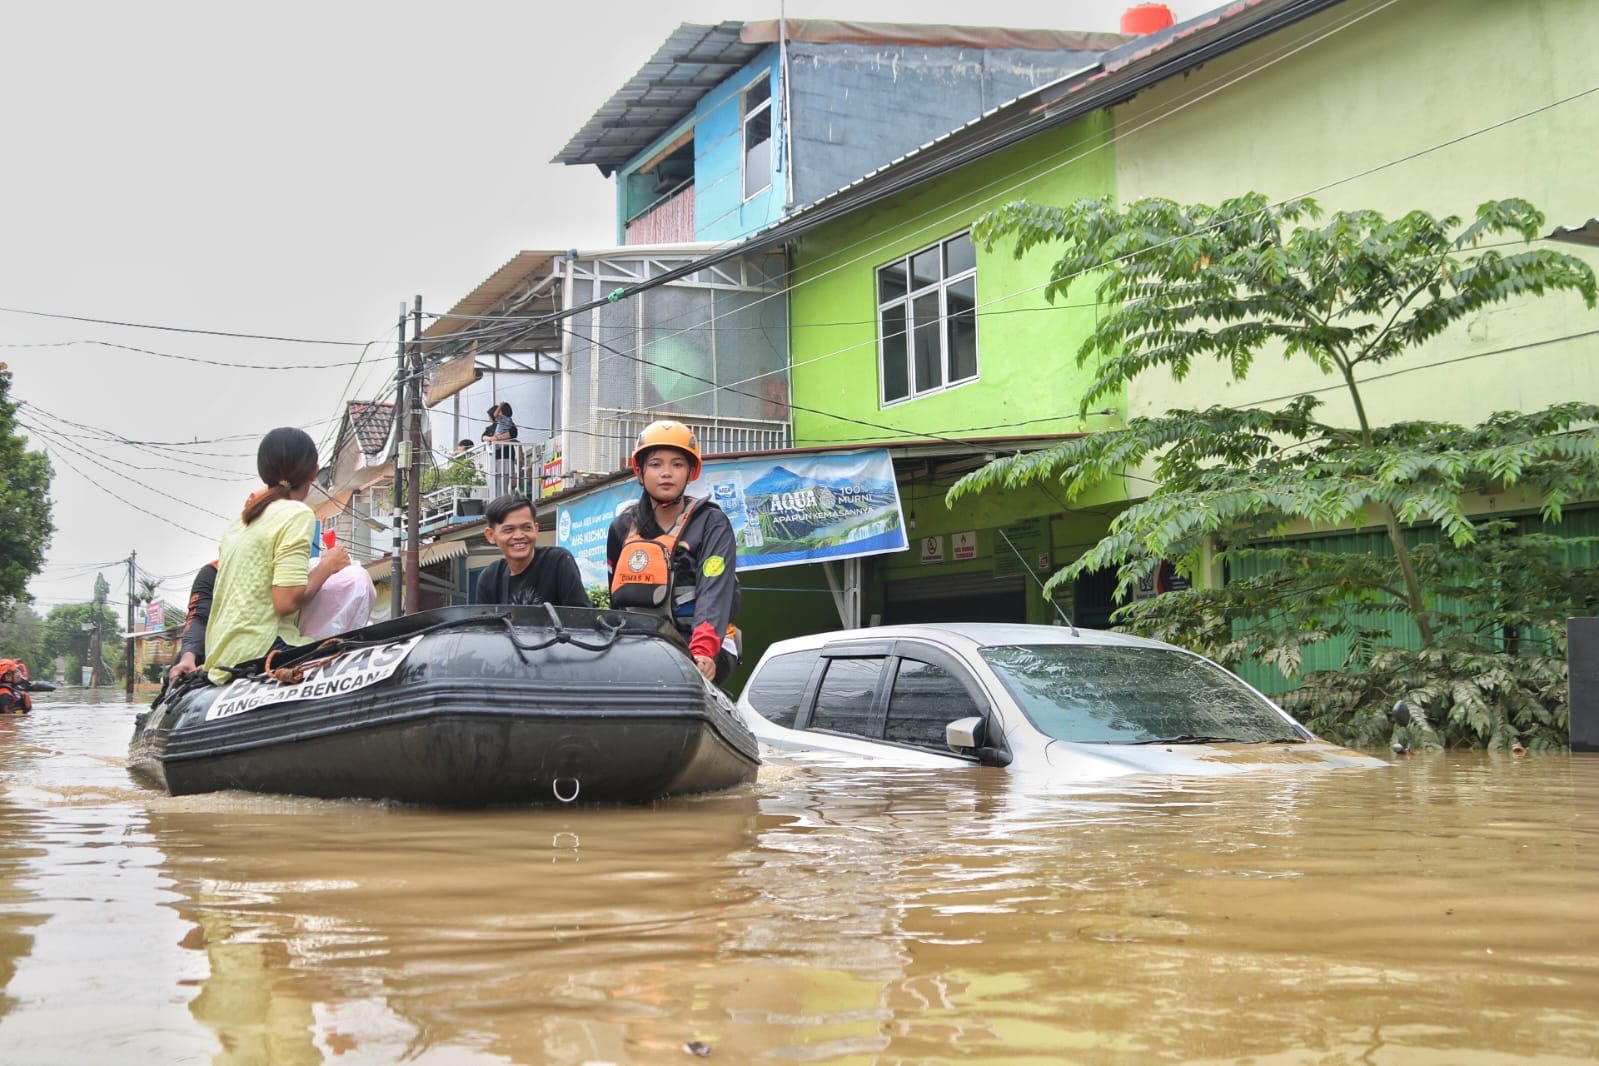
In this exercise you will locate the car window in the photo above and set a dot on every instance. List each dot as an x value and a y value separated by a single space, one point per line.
778 686
924 699
1131 695
844 700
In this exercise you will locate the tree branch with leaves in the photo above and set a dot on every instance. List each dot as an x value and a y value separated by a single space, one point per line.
1249 279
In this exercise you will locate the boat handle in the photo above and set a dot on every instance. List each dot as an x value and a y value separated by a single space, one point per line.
555 786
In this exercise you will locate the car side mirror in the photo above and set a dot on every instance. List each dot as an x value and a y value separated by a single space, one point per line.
967 735
964 734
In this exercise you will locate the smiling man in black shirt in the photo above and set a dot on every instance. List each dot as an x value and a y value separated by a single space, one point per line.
526 574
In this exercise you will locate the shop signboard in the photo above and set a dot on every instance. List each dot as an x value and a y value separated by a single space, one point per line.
784 509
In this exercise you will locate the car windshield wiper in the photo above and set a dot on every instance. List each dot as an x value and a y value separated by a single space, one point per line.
1190 738
1280 740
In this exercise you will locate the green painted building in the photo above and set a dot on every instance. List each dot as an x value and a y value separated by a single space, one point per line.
905 334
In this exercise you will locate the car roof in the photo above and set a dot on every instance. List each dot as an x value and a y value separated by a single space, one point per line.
969 635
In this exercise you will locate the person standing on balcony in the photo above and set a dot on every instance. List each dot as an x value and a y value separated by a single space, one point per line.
501 430
676 554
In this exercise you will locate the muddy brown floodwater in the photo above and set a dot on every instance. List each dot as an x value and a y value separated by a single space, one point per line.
1442 909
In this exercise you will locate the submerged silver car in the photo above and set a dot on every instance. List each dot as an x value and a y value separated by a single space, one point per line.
1073 704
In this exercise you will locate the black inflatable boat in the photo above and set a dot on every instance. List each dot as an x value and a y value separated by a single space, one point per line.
461 706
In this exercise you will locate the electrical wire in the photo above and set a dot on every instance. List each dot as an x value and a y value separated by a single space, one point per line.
190 470
159 517
791 288
1283 53
999 138
185 358
62 443
900 430
181 329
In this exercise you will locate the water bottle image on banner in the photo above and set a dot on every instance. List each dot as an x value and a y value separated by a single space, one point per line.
728 494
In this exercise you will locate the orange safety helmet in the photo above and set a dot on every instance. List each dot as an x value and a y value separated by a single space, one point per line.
666 433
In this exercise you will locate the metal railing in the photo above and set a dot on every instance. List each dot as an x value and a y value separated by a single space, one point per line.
500 467
618 432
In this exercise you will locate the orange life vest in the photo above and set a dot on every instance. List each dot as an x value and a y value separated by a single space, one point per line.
20 701
643 574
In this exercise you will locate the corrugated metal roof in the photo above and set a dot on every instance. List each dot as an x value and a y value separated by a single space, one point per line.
693 61
1587 233
931 35
527 273
440 551
697 58
520 270
1119 75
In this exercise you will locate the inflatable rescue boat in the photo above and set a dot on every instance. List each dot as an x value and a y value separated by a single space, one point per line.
460 706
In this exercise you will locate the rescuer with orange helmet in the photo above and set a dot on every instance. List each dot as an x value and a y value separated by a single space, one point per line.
675 553
14 697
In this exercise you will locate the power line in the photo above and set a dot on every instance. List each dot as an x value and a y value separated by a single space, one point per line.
192 471
181 329
1308 40
62 444
160 517
186 358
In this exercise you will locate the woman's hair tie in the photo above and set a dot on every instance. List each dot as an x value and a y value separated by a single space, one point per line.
285 486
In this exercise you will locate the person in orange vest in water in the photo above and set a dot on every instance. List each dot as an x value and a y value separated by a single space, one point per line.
14 698
676 553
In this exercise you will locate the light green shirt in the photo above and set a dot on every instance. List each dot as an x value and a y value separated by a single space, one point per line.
275 549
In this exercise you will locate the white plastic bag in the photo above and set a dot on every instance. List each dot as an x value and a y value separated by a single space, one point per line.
344 602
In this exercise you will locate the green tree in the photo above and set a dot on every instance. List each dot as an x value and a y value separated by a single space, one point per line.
68 632
1247 278
24 503
21 638
457 470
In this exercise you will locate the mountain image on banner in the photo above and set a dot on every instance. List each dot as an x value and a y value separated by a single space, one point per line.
798 512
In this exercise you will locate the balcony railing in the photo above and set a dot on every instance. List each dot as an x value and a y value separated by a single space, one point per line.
618 433
501 467
514 466
669 220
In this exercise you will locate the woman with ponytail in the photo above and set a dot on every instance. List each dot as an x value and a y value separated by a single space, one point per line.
263 563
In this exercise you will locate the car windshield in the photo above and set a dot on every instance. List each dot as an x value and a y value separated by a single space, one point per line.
1122 695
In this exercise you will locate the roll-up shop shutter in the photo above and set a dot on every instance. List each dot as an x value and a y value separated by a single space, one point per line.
956 598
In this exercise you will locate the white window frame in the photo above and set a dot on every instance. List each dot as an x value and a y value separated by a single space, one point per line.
906 302
744 134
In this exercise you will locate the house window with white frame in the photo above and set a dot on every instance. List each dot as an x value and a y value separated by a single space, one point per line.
757 129
927 319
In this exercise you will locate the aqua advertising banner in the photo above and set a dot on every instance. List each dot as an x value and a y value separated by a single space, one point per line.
785 510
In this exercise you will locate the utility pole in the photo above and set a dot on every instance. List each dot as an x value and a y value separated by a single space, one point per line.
413 499
128 650
396 574
96 653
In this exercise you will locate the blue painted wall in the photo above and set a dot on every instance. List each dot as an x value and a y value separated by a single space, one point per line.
858 107
720 210
855 108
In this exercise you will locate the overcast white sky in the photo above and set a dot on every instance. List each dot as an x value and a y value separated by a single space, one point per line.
295 169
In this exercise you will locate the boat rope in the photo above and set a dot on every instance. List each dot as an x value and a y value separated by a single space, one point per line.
301 659
607 628
293 675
